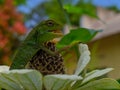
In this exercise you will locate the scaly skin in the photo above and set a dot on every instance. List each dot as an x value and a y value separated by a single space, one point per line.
46 63
42 33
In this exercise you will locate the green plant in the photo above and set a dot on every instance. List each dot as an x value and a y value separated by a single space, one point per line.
33 80
25 79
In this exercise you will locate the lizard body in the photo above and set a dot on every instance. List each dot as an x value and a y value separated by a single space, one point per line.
34 42
46 63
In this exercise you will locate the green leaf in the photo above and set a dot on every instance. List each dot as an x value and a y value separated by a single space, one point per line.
77 35
59 82
102 84
82 9
21 80
84 58
95 73
73 9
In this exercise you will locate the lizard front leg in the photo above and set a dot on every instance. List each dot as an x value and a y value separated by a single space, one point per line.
47 50
64 49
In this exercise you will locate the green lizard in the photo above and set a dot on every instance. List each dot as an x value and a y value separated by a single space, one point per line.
43 32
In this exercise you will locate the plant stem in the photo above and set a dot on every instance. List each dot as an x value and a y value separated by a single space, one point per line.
65 13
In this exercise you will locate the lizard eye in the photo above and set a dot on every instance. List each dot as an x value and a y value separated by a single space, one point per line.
50 23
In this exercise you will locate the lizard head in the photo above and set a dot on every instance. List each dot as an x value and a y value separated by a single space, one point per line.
51 26
49 30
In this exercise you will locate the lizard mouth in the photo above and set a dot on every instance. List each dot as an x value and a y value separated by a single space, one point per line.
58 33
55 31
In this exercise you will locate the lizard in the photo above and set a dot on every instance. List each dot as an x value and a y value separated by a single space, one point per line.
39 47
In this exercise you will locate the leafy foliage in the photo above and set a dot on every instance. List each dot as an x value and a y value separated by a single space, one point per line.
11 24
59 82
76 36
11 28
81 8
61 13
102 84
21 79
33 80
